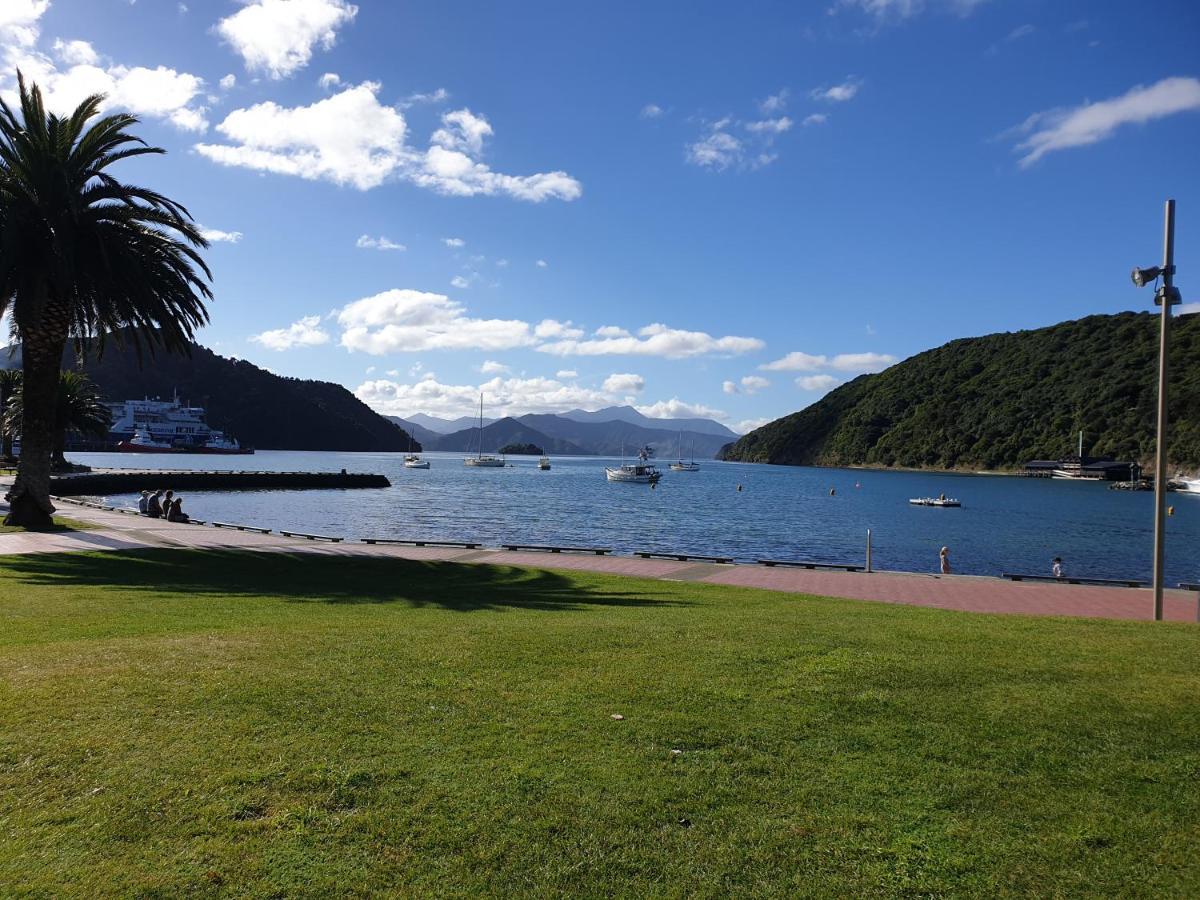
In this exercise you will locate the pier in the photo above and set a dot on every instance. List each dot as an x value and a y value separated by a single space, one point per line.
125 481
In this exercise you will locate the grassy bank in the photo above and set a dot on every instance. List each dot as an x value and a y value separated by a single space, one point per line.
197 722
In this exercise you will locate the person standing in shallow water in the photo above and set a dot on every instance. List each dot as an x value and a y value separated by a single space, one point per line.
944 560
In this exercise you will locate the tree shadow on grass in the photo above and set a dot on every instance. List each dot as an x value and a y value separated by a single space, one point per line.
309 578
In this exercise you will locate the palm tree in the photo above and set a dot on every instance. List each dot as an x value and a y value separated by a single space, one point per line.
10 384
83 255
77 407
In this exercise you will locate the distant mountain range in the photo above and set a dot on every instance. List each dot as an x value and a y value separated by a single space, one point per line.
605 432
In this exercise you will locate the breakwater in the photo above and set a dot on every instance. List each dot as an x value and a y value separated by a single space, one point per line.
128 481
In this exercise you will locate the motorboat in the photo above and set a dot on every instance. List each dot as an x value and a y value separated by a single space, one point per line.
544 463
412 461
142 442
218 443
1186 485
480 460
942 501
641 472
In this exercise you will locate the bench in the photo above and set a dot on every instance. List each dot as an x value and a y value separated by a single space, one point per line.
241 527
1076 579
809 564
1188 586
683 557
311 537
466 545
599 551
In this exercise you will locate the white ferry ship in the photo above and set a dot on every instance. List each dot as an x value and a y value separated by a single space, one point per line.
166 426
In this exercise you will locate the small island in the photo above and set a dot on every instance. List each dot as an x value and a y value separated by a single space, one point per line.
521 450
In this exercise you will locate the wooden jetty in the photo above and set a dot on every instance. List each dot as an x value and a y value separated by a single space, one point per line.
128 481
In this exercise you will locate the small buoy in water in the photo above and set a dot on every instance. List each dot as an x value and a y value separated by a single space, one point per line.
1170 510
857 485
739 487
653 485
832 492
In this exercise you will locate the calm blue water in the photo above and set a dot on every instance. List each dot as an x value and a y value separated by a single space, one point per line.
1005 524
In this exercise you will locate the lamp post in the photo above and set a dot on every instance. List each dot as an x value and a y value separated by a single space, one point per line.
1165 296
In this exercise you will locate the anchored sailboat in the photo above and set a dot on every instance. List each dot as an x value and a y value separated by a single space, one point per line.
479 460
679 465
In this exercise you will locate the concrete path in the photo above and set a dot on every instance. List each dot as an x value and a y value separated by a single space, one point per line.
117 531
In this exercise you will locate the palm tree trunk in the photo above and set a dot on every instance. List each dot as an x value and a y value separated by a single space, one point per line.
42 349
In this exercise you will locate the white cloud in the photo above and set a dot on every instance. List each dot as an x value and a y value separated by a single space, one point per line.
228 81
459 282
611 331
898 10
747 425
750 384
76 53
719 150
409 321
454 242
1020 31
351 138
304 333
366 242
678 409
774 103
161 93
502 263
1184 309
838 93
541 264
491 367
842 362
816 382
770 126
797 362
655 340
815 119
862 362
624 383
505 397
19 21
651 111
552 329
441 95
278 36
1060 129
566 373
329 81
216 235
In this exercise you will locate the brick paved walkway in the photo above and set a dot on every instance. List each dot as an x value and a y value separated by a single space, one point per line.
116 531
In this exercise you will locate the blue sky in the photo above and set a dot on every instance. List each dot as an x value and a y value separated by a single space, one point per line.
722 211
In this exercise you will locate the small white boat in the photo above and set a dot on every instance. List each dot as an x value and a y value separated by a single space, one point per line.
544 463
481 460
412 461
142 442
942 501
1186 485
641 472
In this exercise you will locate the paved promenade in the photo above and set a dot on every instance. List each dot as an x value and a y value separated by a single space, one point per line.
117 531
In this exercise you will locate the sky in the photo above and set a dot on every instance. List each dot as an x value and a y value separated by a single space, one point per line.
717 209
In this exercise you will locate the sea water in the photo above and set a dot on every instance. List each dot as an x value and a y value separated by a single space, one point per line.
1005 524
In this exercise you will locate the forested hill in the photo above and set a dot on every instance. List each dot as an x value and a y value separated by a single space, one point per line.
257 407
995 402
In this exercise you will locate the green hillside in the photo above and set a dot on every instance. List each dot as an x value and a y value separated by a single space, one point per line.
255 406
995 402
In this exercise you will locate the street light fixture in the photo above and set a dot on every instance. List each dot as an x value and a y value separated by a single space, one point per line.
1166 296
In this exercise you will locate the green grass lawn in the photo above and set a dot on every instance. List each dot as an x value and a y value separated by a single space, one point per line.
198 723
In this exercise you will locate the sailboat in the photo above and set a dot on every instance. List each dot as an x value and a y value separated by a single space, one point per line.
479 460
413 460
679 465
